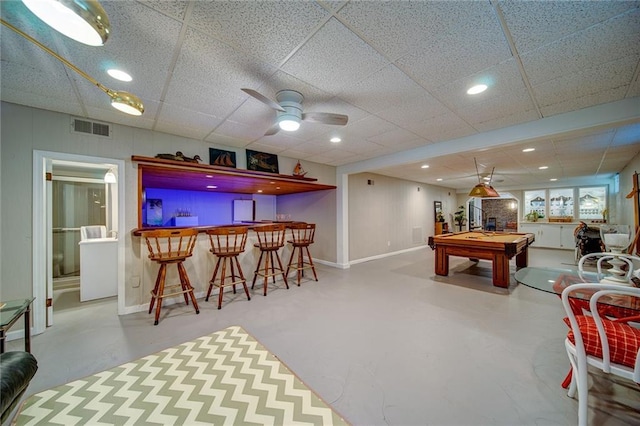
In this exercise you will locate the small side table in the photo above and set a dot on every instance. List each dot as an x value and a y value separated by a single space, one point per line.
10 313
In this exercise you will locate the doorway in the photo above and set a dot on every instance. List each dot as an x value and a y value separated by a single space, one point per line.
78 199
76 178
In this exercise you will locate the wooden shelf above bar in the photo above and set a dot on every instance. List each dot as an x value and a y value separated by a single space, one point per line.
170 174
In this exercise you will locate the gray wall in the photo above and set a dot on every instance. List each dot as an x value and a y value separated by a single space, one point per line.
625 205
392 215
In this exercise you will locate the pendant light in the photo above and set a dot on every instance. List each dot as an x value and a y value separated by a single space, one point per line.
483 190
121 100
82 20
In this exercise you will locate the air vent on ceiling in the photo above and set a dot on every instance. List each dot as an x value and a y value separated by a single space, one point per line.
88 127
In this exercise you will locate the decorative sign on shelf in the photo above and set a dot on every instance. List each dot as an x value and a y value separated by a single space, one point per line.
220 157
262 161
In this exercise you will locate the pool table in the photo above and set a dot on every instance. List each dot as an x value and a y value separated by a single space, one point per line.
498 247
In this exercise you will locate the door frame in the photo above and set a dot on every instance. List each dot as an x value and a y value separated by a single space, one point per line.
41 266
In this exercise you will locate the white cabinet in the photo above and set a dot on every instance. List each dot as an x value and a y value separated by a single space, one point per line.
550 235
98 268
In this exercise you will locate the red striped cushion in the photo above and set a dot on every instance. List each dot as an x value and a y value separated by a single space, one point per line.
624 340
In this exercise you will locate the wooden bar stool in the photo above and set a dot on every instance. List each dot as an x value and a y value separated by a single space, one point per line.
226 244
302 236
270 240
170 246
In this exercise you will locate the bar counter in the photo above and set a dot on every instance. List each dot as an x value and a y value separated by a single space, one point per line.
200 266
203 228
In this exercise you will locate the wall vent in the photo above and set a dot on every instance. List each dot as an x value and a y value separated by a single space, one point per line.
88 127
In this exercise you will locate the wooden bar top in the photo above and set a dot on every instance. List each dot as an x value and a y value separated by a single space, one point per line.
254 224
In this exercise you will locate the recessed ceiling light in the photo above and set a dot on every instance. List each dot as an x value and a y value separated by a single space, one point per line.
119 75
439 179
277 187
335 139
553 179
478 88
211 186
543 167
528 149
259 190
209 176
424 166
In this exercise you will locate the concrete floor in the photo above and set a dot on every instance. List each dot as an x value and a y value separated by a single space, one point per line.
385 342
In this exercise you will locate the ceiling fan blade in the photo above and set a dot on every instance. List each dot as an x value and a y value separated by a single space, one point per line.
273 130
326 118
262 98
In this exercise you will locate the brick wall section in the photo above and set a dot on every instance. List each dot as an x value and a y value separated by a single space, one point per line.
501 210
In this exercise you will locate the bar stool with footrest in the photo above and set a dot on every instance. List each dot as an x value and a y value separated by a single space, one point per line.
270 241
226 244
170 246
302 236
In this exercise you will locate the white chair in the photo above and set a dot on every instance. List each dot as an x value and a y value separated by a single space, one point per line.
611 345
622 275
92 232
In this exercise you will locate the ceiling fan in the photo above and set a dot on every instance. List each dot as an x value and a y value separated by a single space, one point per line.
289 111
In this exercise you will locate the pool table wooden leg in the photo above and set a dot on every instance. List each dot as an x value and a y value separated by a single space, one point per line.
522 258
442 262
501 277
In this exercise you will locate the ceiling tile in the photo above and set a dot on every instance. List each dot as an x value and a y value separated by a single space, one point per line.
533 26
334 50
263 28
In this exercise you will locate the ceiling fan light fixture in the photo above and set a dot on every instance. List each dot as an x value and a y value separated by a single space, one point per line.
126 102
82 20
289 124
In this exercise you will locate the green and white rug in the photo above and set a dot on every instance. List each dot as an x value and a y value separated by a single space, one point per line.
224 378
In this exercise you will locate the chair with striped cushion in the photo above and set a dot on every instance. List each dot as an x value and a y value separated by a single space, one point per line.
609 344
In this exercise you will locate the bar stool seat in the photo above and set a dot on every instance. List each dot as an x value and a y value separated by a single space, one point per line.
166 247
270 240
302 235
226 244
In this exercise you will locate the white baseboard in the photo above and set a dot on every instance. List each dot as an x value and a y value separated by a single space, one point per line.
381 256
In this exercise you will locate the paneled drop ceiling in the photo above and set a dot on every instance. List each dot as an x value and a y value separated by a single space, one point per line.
398 69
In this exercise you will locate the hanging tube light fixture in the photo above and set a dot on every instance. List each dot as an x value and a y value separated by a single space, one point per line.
121 100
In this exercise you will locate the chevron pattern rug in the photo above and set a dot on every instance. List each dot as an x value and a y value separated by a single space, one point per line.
223 378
